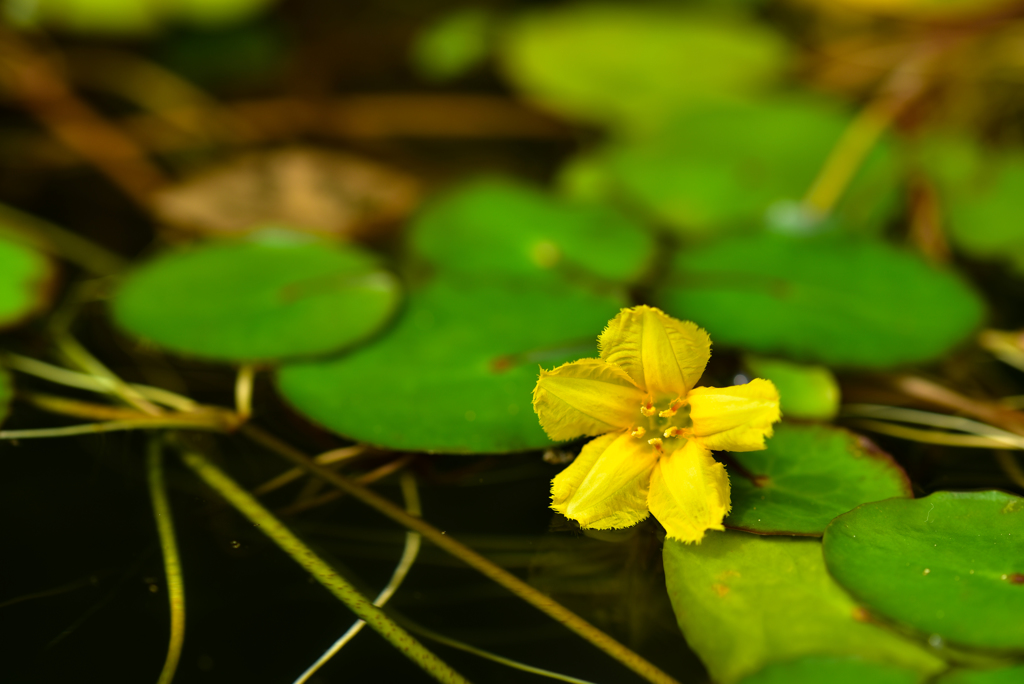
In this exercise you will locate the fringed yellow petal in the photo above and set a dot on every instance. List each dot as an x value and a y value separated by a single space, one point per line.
663 355
606 486
689 493
736 418
585 397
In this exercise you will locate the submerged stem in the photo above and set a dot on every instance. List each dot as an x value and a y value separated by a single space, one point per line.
544 603
515 664
409 553
248 506
172 561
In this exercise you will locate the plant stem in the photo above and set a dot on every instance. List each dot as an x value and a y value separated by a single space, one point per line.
508 662
172 561
243 391
154 423
904 85
409 553
32 77
70 378
515 585
326 458
939 420
929 436
248 506
80 356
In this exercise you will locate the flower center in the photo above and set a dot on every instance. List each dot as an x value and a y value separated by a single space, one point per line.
664 424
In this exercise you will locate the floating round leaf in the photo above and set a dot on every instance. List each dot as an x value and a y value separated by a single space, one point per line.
745 602
257 301
1001 675
807 476
950 564
630 65
457 371
6 394
979 194
503 229
454 44
805 391
729 165
818 669
26 280
829 298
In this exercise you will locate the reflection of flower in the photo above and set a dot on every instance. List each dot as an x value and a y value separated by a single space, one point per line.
653 455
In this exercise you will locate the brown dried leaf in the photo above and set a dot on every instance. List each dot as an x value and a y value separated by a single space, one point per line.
303 188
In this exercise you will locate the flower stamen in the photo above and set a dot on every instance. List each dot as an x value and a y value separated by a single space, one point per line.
673 431
672 409
656 443
647 408
638 432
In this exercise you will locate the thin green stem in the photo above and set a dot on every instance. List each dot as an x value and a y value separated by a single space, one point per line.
904 84
70 378
172 561
326 458
928 436
243 391
248 506
842 164
441 639
154 423
80 356
409 553
939 420
545 604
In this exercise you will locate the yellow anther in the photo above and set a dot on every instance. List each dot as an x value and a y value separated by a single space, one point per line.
672 409
638 432
655 442
673 432
647 409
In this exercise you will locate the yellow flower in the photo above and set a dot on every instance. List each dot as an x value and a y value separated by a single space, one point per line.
657 430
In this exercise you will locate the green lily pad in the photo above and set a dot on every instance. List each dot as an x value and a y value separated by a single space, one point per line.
725 166
1002 675
457 371
817 669
274 297
631 65
498 228
830 298
950 564
6 394
805 391
979 194
745 602
807 476
125 18
26 282
454 44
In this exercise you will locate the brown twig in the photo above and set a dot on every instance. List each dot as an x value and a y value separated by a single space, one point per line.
33 78
986 411
377 473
